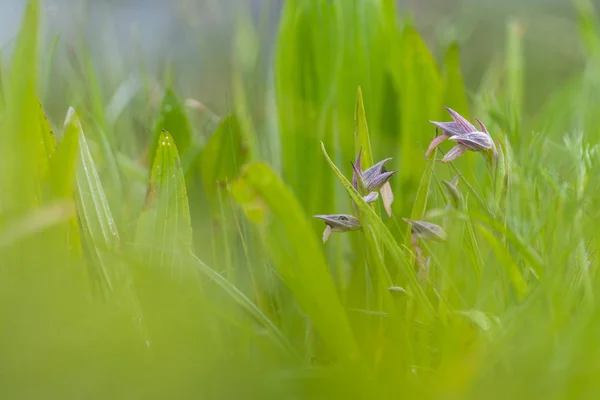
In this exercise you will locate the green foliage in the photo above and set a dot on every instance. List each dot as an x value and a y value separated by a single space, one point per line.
20 176
164 227
185 262
171 118
224 154
297 257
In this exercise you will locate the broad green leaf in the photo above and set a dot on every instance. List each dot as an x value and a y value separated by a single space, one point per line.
21 139
307 66
164 227
171 118
61 178
298 257
419 82
455 93
99 232
224 154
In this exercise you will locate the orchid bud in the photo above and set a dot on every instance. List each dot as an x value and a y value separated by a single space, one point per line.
456 197
338 223
427 230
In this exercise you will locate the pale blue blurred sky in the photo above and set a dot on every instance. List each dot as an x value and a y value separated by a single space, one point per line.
197 35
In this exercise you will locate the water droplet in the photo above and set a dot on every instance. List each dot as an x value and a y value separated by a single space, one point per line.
168 108
164 143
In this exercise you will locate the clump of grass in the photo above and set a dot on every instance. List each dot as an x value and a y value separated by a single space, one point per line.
187 264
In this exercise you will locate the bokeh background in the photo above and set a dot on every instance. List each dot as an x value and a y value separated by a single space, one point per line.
196 39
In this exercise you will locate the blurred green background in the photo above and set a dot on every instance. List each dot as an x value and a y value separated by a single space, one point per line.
156 230
196 38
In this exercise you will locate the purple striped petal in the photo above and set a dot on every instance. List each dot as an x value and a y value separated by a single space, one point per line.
464 125
435 143
454 153
448 128
483 128
476 141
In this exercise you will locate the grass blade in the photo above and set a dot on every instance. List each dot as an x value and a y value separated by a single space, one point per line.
296 255
99 231
21 139
247 305
164 227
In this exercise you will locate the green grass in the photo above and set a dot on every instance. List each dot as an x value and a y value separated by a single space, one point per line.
150 247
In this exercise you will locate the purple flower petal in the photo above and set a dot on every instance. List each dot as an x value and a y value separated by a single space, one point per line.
378 181
357 171
483 128
464 125
387 196
454 153
476 141
435 143
371 197
448 128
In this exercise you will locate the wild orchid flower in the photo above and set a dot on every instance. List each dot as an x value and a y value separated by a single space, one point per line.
373 179
464 134
338 223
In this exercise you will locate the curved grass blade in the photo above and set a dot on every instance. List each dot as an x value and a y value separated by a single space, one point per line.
297 255
99 232
164 227
21 140
246 304
61 177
